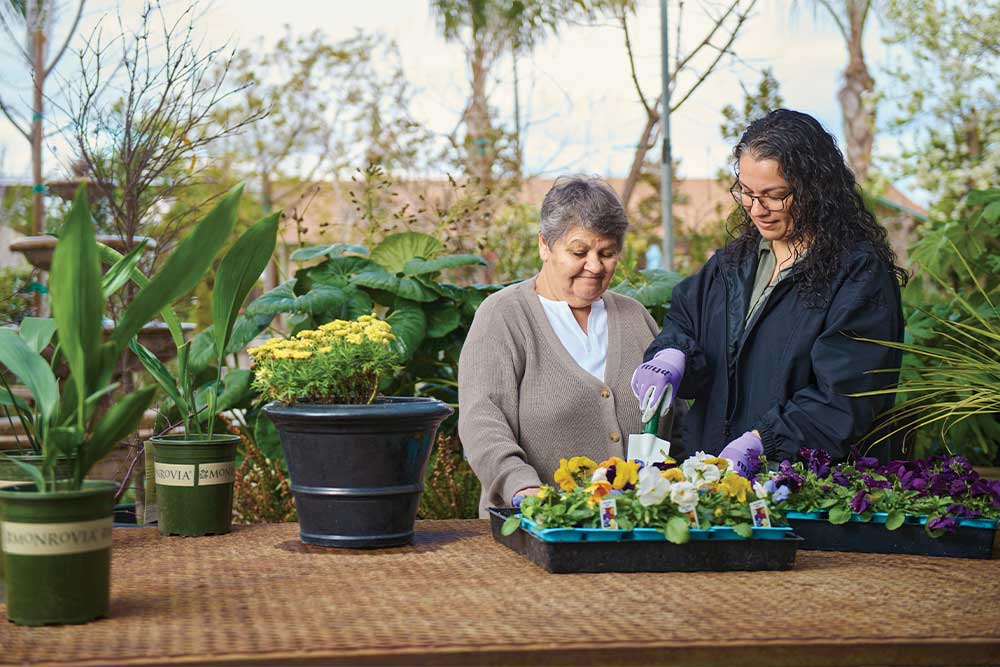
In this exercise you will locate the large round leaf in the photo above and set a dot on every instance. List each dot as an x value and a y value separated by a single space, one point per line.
377 278
331 250
282 299
417 267
395 251
337 271
442 320
409 325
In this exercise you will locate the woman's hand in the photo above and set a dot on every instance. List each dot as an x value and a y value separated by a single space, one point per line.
745 453
522 494
659 377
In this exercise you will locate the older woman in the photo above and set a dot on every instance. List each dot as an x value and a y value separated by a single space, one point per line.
544 373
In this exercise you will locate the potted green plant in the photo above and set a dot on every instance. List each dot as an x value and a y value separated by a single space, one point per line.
356 460
195 470
57 532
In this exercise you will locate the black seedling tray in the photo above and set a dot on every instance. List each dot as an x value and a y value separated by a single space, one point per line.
643 556
910 539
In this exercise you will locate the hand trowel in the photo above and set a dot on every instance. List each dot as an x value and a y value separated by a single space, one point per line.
646 446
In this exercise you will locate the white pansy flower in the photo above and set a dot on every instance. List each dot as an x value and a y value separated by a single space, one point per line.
652 488
759 489
685 495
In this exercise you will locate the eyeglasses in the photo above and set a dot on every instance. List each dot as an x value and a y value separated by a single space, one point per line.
745 199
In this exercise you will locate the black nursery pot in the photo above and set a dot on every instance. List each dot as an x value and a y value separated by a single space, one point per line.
357 470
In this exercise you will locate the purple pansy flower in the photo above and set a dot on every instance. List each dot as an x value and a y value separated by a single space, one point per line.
962 512
945 523
873 483
866 463
781 494
817 460
860 502
840 478
787 476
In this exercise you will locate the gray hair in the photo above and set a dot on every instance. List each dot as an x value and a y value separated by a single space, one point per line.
585 201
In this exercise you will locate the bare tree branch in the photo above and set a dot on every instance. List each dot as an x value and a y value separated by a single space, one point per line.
69 36
13 121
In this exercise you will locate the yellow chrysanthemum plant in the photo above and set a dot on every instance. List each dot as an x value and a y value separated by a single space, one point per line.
341 362
700 493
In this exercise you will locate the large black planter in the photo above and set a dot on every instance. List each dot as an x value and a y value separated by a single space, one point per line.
357 470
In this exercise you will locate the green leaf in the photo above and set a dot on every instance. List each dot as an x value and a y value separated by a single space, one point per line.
337 271
184 268
33 372
238 273
159 373
895 520
378 278
77 300
235 387
111 256
744 530
409 325
839 515
417 267
34 472
358 303
11 400
511 525
118 422
121 271
441 321
201 351
245 329
37 332
282 299
396 250
678 530
332 250
411 289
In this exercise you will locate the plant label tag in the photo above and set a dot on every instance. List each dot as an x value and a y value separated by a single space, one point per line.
216 473
174 474
693 518
759 515
609 514
56 539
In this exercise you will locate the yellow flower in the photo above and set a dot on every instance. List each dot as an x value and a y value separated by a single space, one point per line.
354 338
673 474
325 349
626 472
544 492
718 462
718 511
572 472
597 491
735 486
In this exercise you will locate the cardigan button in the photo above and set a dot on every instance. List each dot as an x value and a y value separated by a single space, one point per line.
615 437
605 393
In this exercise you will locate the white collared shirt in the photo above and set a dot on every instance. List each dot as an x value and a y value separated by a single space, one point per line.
589 350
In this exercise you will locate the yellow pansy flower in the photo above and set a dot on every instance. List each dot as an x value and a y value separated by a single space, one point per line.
673 474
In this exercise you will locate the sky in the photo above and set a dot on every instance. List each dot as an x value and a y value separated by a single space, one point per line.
581 110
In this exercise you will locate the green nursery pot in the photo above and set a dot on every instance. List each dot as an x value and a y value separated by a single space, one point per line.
12 474
57 553
194 483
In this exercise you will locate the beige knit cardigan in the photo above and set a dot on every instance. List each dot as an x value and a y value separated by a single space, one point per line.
524 402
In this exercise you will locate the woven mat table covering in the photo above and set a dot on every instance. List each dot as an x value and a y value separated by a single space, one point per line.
258 595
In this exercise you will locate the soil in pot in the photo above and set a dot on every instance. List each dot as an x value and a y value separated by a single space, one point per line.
57 553
194 483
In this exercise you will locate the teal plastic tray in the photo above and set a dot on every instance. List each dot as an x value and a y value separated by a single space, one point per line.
645 534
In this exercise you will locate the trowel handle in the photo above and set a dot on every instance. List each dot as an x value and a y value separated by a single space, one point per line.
653 425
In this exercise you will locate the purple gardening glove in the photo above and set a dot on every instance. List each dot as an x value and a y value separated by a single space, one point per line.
745 453
661 374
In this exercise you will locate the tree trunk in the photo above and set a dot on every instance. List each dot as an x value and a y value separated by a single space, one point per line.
479 131
857 104
38 56
641 149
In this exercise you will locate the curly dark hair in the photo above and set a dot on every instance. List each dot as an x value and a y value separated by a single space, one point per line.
828 210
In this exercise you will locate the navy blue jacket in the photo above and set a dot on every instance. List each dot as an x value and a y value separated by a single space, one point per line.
787 373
